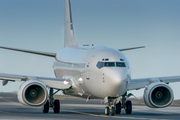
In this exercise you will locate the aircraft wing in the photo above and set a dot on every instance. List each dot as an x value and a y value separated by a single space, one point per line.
142 82
31 51
132 48
57 83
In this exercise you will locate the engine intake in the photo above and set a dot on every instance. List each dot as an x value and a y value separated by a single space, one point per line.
32 93
158 95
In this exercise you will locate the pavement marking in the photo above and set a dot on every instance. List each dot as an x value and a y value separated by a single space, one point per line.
70 97
95 115
6 99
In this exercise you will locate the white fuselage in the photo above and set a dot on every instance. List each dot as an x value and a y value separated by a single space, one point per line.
81 66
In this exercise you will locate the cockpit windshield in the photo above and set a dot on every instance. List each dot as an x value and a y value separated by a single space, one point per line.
110 64
120 64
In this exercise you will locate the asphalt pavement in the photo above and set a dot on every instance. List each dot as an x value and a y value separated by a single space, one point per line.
78 109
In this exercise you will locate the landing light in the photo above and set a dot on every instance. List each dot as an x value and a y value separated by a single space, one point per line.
80 79
66 82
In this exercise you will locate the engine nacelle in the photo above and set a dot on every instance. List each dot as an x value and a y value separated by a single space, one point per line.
158 95
33 93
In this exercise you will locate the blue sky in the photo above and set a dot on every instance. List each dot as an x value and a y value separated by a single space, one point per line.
39 25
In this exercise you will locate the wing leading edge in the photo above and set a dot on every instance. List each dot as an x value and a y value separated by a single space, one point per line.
142 82
31 51
57 83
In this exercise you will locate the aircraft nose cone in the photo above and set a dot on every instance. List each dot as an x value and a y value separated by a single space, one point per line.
117 76
118 81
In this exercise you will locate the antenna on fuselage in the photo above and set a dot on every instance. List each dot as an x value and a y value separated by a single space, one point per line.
69 39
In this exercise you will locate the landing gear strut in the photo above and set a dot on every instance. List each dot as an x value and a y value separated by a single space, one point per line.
51 103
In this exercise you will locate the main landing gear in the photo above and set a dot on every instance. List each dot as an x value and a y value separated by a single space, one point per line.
51 103
127 105
116 109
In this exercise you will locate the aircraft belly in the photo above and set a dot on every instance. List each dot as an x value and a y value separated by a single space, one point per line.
75 93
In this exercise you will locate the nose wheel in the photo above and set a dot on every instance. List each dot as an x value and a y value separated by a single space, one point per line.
107 110
116 108
110 108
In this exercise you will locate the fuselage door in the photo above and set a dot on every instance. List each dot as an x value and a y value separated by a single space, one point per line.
88 72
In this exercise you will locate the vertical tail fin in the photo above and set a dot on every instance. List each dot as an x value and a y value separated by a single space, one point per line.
69 39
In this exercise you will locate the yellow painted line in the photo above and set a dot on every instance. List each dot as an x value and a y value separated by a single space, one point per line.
10 97
5 99
68 97
59 97
95 115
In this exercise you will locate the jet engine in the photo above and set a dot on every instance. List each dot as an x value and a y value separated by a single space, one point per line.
33 93
158 95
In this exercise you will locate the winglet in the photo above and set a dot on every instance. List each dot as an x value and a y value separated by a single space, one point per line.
69 39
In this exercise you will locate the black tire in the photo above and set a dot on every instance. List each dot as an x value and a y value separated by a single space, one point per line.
128 107
118 107
112 111
45 108
107 111
56 106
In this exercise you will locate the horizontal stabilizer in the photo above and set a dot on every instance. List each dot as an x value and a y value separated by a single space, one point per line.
132 48
31 51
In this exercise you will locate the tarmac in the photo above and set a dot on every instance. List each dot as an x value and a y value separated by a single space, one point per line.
73 108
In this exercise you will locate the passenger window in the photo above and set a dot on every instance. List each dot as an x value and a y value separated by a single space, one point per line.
120 64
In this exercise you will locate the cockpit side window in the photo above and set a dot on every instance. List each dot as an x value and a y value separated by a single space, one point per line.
120 64
99 65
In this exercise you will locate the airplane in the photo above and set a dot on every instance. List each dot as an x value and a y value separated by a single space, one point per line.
90 72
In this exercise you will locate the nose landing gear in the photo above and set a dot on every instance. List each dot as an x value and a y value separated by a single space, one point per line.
116 108
110 108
